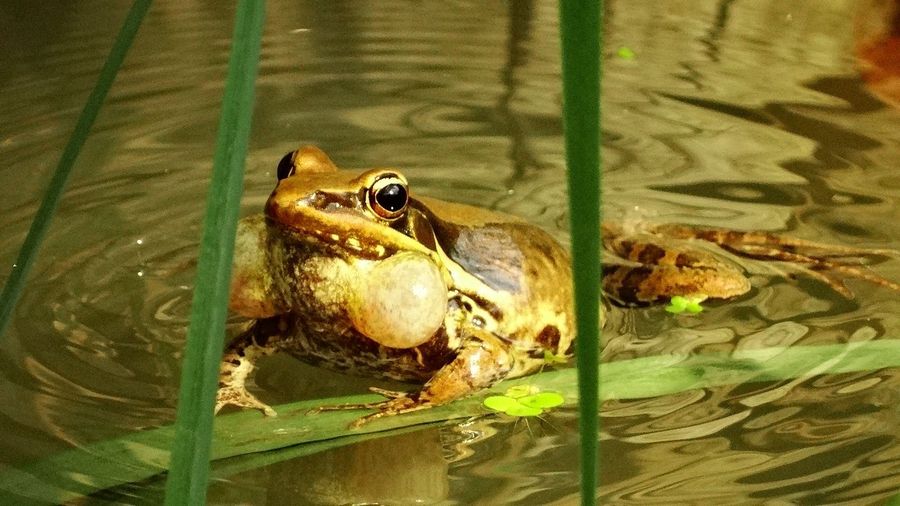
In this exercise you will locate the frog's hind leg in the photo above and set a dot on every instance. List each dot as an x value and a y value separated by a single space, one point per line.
816 259
482 362
728 238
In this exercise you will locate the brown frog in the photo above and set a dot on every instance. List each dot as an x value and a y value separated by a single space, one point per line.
350 271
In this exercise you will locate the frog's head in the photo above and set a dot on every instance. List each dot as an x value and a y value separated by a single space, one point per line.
394 285
365 214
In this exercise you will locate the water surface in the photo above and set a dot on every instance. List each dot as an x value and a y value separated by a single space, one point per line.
740 114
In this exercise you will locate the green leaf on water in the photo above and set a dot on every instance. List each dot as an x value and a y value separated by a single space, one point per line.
523 410
524 400
521 391
625 53
679 304
693 307
500 403
543 400
552 358
242 438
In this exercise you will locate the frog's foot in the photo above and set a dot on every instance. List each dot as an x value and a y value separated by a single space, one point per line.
395 404
482 361
240 397
390 394
820 267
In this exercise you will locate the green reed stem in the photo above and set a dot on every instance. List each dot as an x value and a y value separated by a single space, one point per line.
580 33
187 480
12 290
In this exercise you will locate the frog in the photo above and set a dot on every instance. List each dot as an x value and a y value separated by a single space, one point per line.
354 271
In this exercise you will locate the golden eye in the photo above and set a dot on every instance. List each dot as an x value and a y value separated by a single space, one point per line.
388 196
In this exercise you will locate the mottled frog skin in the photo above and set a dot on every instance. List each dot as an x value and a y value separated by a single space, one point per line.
350 271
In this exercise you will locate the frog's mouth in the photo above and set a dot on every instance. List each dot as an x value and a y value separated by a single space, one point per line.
343 227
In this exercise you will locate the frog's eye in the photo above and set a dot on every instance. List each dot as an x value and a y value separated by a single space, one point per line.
388 196
286 166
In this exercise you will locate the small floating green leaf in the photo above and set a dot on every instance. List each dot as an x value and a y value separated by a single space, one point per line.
694 307
500 403
524 400
521 391
679 304
553 358
625 53
523 410
543 400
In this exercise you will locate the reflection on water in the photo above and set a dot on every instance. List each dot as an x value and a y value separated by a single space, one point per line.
741 114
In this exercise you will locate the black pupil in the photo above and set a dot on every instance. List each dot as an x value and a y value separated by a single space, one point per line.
392 197
286 166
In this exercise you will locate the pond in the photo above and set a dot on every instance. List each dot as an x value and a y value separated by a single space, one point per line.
747 115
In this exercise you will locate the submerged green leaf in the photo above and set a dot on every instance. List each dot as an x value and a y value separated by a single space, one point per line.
76 473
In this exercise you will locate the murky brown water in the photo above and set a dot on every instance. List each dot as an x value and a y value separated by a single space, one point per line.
741 114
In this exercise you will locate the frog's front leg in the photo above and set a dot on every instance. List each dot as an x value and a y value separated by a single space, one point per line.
239 361
482 361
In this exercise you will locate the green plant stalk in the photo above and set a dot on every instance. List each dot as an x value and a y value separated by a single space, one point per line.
580 35
187 482
12 290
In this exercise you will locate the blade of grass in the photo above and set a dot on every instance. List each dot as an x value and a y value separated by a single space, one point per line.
72 474
12 290
187 480
580 35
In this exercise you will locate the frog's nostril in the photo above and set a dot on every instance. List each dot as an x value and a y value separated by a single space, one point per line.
286 166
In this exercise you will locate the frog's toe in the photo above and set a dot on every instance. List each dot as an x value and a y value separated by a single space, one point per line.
344 407
397 403
242 399
391 407
390 394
